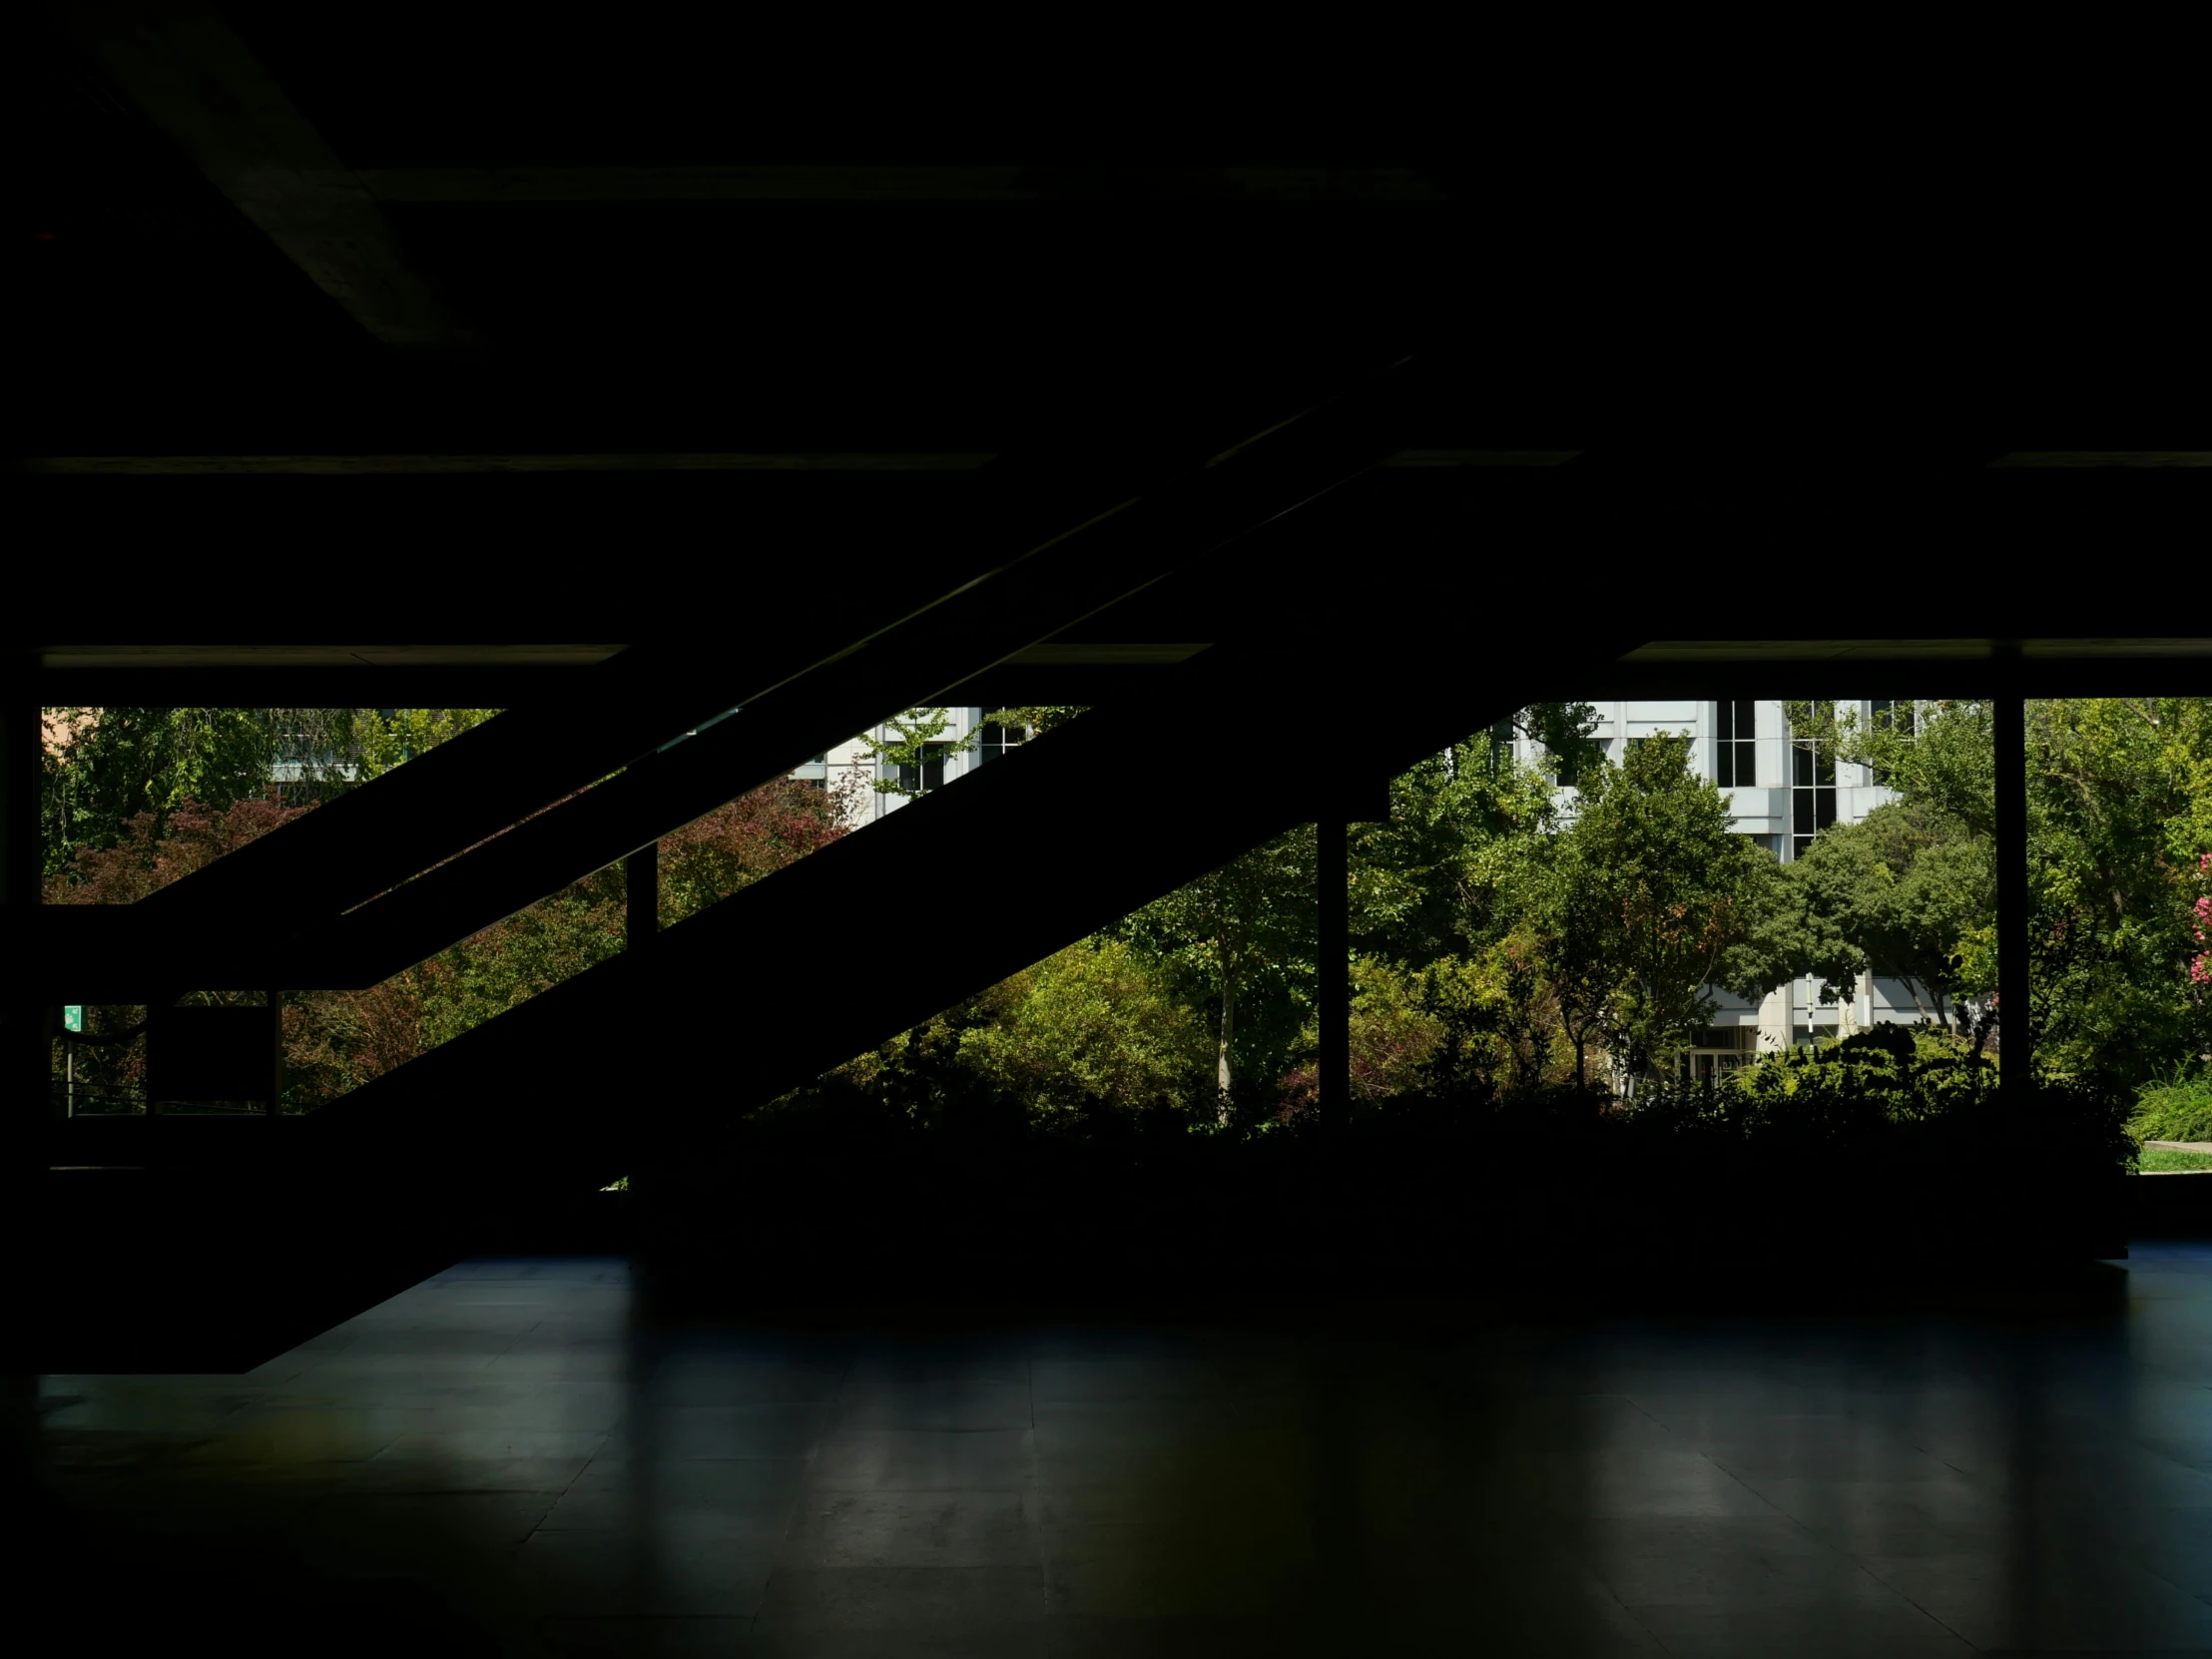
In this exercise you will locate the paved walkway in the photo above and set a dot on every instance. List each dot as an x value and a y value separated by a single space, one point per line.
508 1460
2181 1146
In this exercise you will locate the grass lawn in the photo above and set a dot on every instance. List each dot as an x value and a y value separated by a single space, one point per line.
2156 1159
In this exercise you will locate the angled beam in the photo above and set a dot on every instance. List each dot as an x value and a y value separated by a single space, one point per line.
917 663
192 76
480 782
554 1050
470 787
797 696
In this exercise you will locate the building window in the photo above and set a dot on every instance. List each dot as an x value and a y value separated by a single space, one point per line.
1812 792
994 739
1715 1051
1735 754
1896 718
929 774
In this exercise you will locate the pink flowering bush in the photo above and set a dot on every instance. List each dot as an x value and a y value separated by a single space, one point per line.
2200 967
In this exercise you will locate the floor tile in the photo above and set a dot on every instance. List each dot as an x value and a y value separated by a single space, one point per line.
915 1529
774 1638
668 1571
895 1598
1741 1561
959 1403
1836 1630
924 1459
642 1638
762 1429
512 1458
612 1493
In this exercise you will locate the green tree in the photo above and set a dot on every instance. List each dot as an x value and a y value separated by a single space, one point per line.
103 767
1898 894
384 738
1651 888
2119 817
1092 1028
2119 814
1036 718
1570 942
1242 937
1439 876
914 742
1942 761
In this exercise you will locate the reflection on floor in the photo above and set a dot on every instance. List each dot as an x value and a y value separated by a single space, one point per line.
503 1460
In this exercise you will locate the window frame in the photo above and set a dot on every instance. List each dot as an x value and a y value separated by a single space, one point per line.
1735 743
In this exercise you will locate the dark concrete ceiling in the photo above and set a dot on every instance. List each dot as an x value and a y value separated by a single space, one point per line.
684 315
271 229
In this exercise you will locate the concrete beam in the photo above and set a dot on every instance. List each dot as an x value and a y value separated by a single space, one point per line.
2105 457
696 461
188 72
853 461
357 466
901 184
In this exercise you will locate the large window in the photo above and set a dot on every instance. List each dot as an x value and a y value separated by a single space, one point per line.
1735 754
993 740
929 774
1893 715
1811 790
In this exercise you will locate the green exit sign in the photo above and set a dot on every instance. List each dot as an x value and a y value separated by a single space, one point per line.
73 1016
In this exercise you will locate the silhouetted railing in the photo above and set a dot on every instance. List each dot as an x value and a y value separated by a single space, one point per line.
85 1100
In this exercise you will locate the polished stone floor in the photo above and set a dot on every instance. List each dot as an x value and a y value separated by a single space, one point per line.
509 1459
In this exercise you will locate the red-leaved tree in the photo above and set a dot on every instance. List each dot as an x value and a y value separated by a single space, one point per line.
336 1040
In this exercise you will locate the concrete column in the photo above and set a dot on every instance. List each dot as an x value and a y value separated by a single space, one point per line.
23 1054
23 1020
2009 732
1774 1021
276 1102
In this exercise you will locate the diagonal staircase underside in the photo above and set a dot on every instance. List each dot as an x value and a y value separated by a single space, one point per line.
1355 599
429 853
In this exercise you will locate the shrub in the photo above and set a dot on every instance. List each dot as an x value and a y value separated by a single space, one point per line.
1095 1030
2178 1109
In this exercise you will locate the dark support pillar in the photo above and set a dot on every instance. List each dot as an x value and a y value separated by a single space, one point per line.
2009 732
1332 994
643 867
277 1053
24 1058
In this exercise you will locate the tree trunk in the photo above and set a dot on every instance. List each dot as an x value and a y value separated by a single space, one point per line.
1228 1029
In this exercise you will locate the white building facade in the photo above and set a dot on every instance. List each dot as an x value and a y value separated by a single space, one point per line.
854 768
1783 790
